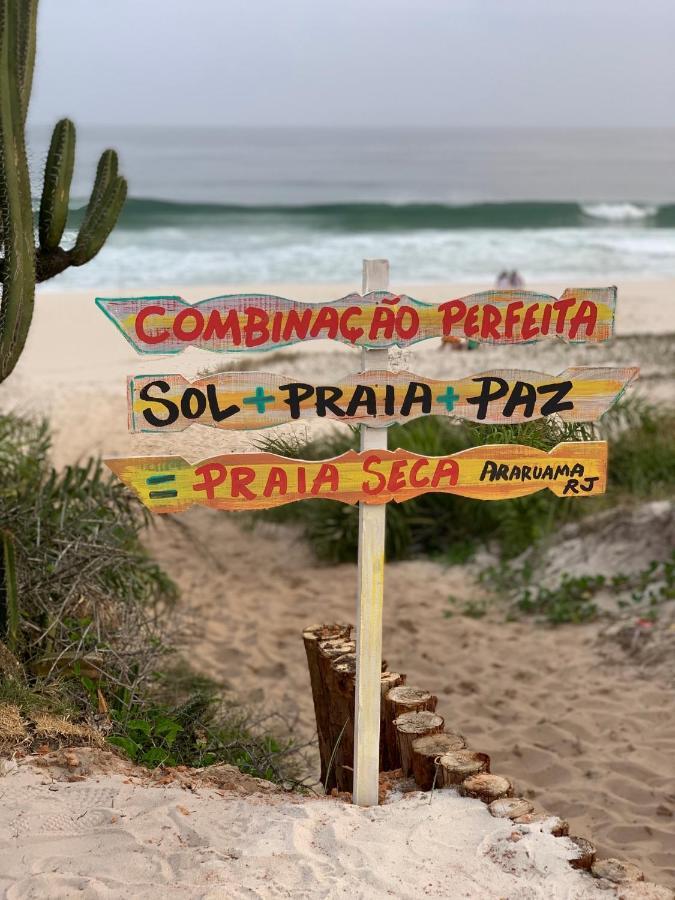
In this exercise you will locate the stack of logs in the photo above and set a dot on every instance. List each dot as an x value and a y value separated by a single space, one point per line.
412 736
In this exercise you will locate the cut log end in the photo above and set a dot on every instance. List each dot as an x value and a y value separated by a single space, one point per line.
457 765
585 855
425 752
510 807
399 700
411 699
419 723
412 726
486 787
551 824
616 871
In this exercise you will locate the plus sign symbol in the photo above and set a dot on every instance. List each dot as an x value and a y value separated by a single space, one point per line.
260 399
448 399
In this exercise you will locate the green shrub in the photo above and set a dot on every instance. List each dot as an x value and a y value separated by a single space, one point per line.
91 619
573 598
641 458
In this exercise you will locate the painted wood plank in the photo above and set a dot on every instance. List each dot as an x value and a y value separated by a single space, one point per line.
170 484
377 320
370 592
252 400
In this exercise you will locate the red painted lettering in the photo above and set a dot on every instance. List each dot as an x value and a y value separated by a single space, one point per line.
587 315
161 335
414 469
453 312
277 480
384 319
368 487
214 475
446 468
491 318
512 318
183 333
256 330
397 475
529 328
219 326
328 474
240 477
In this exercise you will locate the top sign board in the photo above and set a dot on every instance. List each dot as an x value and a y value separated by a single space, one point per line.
377 320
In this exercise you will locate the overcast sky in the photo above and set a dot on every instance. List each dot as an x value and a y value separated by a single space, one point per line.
357 62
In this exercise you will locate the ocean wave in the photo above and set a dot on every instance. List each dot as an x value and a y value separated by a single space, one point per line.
148 213
619 212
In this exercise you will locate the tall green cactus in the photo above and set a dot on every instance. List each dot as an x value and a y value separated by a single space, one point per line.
22 263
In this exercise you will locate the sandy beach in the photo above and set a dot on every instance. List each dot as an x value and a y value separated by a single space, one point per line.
580 725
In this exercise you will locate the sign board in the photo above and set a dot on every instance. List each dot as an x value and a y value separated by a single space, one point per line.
253 400
170 484
377 320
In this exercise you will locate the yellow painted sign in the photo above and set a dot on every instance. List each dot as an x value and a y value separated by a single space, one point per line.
252 400
377 320
170 484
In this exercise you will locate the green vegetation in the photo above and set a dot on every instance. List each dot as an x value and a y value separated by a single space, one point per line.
88 621
573 598
642 464
22 263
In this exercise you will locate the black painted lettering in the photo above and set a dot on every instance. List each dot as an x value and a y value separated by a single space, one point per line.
364 395
169 405
297 394
556 404
523 394
417 392
487 393
218 414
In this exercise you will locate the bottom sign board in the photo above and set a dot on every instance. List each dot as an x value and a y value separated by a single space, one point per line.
170 484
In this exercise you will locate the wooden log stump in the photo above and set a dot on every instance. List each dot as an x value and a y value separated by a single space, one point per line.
553 824
388 681
401 700
425 752
510 807
616 871
585 853
342 689
486 787
312 638
454 767
411 726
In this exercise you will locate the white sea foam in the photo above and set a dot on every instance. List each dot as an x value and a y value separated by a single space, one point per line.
138 259
618 212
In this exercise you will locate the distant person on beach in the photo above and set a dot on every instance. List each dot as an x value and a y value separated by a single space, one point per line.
503 279
515 279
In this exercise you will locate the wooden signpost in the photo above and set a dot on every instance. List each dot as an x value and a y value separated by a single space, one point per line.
373 398
171 484
376 320
254 400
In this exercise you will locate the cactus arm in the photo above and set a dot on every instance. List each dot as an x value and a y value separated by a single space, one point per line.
99 222
106 172
26 28
56 188
105 204
16 215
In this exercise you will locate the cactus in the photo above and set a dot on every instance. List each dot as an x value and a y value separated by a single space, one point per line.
9 594
23 264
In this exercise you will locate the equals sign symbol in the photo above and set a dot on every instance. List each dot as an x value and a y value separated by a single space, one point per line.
161 479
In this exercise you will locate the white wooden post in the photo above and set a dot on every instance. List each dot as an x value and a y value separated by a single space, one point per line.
370 591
